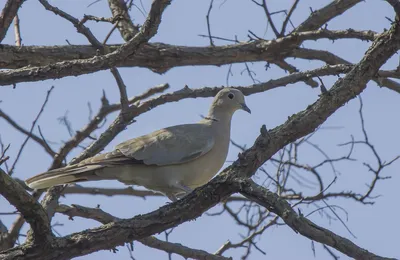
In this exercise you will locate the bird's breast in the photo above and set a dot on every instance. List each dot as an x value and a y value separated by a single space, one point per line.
203 169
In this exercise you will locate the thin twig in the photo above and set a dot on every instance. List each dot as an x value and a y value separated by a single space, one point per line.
122 90
31 130
267 13
208 23
287 19
18 40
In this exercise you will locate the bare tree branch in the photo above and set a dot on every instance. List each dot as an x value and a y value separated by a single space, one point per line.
34 137
7 15
287 19
269 18
79 26
253 51
300 224
325 14
17 32
125 25
30 132
104 218
122 90
29 207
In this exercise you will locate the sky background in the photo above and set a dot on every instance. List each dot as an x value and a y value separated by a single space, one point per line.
375 227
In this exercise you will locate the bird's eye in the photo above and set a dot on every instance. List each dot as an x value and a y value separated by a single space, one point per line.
231 96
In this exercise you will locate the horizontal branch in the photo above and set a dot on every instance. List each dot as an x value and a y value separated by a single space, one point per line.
93 64
128 191
332 59
104 218
179 249
62 61
28 206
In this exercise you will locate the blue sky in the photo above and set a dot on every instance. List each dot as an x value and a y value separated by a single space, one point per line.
375 226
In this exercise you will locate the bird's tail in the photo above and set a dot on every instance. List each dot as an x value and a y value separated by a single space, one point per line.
69 174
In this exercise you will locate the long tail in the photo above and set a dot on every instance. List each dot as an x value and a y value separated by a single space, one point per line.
69 174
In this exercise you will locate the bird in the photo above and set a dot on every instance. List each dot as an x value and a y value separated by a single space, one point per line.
172 161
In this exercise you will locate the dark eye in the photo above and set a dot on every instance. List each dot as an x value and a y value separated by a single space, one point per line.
231 96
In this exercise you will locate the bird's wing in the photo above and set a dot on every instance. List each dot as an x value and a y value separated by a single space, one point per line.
172 145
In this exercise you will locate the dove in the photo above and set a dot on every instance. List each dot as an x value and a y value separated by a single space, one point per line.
172 161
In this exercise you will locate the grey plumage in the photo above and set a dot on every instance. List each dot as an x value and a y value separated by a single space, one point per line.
173 160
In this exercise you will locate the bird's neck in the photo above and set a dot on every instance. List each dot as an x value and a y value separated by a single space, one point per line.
220 121
220 115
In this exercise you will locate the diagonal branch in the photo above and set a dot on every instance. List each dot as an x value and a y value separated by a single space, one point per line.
122 90
79 26
28 206
269 18
300 224
325 14
287 19
7 15
34 137
125 25
30 132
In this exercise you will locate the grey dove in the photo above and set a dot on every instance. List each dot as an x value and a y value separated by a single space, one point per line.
174 160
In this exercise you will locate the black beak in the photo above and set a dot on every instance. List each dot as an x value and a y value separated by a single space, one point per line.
246 108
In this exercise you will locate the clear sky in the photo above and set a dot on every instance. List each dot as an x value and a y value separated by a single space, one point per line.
376 227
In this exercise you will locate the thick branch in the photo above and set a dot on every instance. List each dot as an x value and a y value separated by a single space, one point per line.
97 63
129 191
28 206
325 14
104 218
7 15
161 58
125 25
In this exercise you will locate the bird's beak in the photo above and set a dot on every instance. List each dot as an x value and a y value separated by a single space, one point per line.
245 108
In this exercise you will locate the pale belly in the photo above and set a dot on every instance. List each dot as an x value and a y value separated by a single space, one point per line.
164 179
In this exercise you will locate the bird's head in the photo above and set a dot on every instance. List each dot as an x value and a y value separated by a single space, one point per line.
228 100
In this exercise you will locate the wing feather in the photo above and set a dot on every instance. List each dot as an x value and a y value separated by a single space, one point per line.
173 145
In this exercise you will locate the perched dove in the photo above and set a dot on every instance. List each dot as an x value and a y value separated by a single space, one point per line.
173 160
